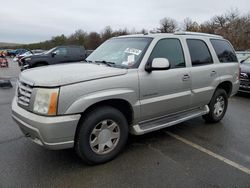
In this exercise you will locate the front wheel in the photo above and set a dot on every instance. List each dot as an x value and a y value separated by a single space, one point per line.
102 135
217 106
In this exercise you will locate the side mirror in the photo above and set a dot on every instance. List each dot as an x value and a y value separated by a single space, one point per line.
53 54
158 64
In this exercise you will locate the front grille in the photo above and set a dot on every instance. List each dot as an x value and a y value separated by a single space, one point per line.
245 77
24 92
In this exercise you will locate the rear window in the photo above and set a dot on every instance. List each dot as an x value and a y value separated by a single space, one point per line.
224 51
199 52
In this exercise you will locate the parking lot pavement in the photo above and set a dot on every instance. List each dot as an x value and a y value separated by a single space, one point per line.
12 71
154 160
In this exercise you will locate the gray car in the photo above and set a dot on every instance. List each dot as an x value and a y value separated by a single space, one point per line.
130 84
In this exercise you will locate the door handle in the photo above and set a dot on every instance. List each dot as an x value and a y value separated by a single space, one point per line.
213 73
185 77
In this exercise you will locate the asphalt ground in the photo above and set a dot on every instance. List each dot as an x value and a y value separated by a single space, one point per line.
191 154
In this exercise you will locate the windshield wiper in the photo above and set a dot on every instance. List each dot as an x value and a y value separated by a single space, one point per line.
110 64
87 61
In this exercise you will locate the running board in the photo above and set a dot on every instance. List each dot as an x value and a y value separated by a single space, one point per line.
168 121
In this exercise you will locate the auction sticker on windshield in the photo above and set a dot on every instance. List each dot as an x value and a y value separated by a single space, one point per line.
130 60
133 51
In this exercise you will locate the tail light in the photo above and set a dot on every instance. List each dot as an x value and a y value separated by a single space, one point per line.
239 73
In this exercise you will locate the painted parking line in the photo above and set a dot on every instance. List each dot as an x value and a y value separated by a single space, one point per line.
204 150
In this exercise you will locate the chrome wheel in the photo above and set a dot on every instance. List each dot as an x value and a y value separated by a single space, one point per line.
104 137
219 106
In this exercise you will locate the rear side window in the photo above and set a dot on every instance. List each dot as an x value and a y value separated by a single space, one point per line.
170 49
199 52
224 51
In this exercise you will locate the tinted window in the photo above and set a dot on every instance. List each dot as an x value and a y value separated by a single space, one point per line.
199 52
170 49
75 51
61 51
224 51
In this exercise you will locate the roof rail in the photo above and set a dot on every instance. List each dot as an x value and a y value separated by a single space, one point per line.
197 34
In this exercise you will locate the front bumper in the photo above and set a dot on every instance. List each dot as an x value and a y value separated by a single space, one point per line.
51 132
24 67
244 86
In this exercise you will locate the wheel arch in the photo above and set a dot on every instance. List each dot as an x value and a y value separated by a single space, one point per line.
120 104
227 86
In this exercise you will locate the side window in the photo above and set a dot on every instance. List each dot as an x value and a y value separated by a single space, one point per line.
74 51
224 51
61 51
199 52
170 49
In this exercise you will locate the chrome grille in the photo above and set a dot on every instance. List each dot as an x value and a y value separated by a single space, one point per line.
245 76
24 92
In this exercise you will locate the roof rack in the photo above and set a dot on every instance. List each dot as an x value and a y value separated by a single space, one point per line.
196 33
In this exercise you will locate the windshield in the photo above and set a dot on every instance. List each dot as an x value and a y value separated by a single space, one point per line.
247 60
243 56
51 50
121 52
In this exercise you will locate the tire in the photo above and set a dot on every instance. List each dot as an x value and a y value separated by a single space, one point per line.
98 127
217 106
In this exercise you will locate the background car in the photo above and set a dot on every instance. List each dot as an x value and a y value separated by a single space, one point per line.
244 59
13 53
241 55
38 51
57 55
27 54
21 55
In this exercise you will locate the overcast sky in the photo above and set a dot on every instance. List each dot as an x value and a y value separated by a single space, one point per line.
27 21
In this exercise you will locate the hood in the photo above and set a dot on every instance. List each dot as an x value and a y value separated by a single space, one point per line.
245 67
64 74
39 55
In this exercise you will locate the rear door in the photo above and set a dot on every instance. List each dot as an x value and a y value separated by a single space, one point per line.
228 65
76 54
166 91
203 72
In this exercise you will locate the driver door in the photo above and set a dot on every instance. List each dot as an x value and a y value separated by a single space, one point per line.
165 91
60 55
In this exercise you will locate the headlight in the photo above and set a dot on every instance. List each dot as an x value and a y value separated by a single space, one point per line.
27 59
46 101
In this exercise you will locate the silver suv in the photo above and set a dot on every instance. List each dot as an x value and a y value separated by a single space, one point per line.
130 84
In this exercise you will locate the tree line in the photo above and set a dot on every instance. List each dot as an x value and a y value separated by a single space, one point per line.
232 26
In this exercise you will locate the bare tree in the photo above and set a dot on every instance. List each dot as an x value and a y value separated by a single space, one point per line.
93 41
107 33
190 25
220 21
79 37
121 32
143 31
167 25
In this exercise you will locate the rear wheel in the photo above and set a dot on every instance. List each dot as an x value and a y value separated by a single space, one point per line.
217 106
102 135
